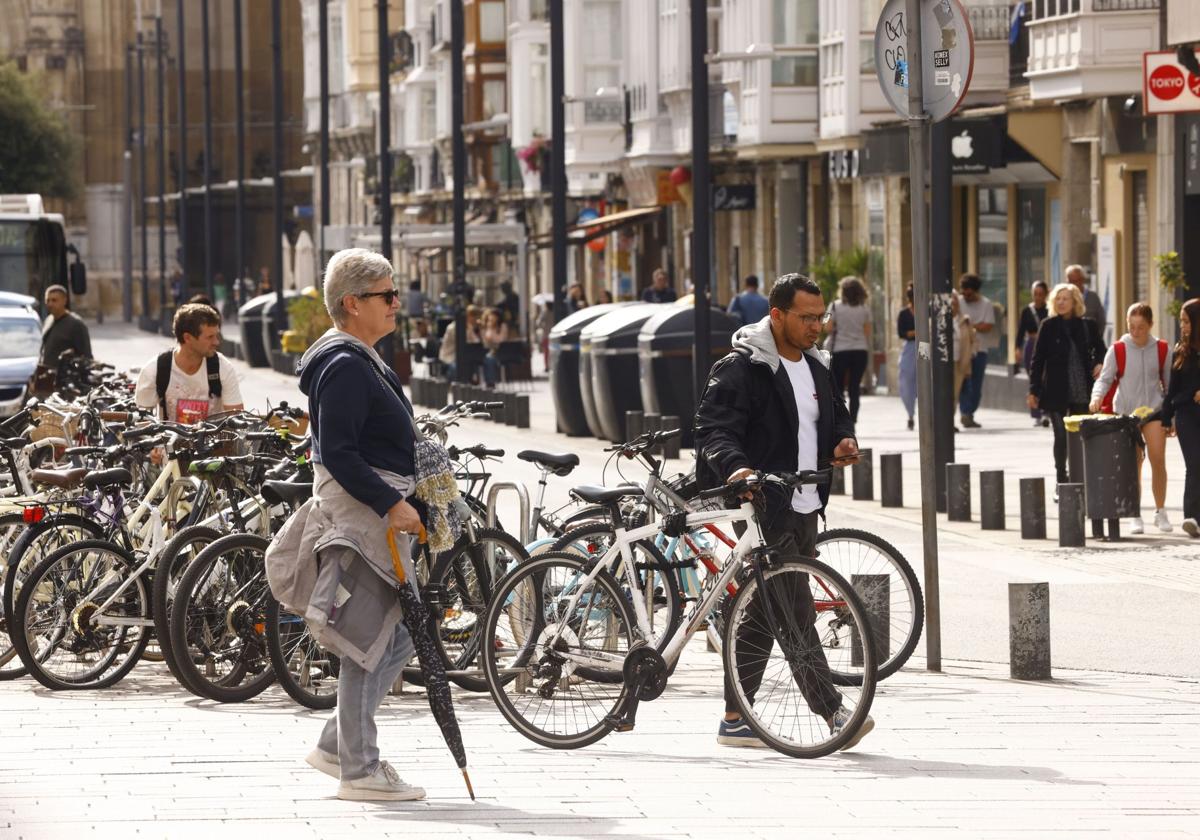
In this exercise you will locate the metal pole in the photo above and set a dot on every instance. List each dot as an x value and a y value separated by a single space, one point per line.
129 212
558 164
385 347
239 196
917 157
208 209
459 164
701 195
142 189
277 158
323 184
181 207
160 51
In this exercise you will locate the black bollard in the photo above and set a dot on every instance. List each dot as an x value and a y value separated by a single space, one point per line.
891 480
633 425
863 477
1071 533
670 448
1033 508
510 407
875 591
522 411
652 422
837 482
991 500
1029 628
958 492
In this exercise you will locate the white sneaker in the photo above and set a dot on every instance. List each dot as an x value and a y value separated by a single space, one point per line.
1191 528
327 763
1137 526
1161 522
384 784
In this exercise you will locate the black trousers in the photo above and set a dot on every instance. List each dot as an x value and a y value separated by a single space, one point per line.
1060 440
1187 428
848 367
795 535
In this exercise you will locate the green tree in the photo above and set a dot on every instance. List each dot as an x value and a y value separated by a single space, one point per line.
38 154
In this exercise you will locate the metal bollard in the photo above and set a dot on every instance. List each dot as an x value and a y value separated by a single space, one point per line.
415 386
1033 508
958 492
510 408
633 425
863 477
1029 629
670 449
891 480
652 423
837 482
876 594
991 500
522 411
1071 533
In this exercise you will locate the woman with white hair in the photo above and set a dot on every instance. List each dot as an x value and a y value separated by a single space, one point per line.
363 452
1066 358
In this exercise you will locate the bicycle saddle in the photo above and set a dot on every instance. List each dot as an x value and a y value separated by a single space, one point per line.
291 493
65 479
559 463
596 495
107 478
14 442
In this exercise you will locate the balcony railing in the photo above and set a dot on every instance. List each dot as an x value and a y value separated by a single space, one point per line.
1124 5
989 23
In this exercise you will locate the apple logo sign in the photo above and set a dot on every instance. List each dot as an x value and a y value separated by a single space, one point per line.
962 146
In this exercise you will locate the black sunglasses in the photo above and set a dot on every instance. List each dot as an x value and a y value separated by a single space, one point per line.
389 297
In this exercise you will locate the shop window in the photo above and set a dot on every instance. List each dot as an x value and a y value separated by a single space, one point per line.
993 258
794 71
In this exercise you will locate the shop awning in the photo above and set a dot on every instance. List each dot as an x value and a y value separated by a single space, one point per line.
596 228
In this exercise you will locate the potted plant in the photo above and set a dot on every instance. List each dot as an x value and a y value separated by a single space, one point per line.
1171 279
309 321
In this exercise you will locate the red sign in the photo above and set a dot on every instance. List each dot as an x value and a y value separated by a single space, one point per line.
1166 82
1167 87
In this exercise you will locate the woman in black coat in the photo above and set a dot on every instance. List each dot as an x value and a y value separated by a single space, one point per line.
1067 357
1181 410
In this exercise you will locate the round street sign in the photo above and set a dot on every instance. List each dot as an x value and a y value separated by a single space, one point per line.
949 56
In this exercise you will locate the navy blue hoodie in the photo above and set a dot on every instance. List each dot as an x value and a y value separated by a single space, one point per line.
358 421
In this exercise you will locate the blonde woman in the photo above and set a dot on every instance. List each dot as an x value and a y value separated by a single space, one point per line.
1066 359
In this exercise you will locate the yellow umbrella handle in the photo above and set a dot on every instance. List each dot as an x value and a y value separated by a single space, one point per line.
397 564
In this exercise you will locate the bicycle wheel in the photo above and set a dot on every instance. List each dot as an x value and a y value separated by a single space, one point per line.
34 544
661 595
12 525
533 670
218 621
59 630
888 588
459 589
307 672
780 663
174 560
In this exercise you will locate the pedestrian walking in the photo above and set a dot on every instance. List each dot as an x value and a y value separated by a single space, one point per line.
749 305
493 333
1027 329
982 315
659 290
1181 410
1132 381
509 306
575 299
1066 359
849 339
448 351
62 330
771 404
964 345
906 330
416 302
364 444
1093 307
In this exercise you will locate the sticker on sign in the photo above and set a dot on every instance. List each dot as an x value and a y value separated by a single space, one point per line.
1167 86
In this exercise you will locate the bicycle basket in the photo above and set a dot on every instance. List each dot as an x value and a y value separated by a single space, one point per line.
52 425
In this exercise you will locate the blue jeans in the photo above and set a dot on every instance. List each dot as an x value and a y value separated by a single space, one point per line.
972 390
351 734
907 370
491 370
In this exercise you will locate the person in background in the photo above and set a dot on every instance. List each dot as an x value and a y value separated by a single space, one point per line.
265 286
448 352
659 291
1066 358
849 339
906 370
575 299
416 302
1181 410
1093 307
750 305
982 315
493 333
1132 378
193 381
510 307
604 296
62 330
1027 329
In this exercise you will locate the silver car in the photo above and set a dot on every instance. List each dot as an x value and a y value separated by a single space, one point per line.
20 347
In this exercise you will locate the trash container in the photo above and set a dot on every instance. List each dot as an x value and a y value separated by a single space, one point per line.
564 368
250 322
667 374
275 312
614 365
1110 454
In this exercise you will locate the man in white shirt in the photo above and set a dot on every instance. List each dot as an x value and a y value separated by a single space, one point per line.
193 381
982 315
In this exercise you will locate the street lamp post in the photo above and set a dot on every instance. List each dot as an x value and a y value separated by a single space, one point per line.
558 163
181 207
160 57
701 195
208 208
142 189
239 197
130 217
323 184
458 287
386 345
277 159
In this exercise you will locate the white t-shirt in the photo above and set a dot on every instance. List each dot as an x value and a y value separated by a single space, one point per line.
981 311
187 394
805 498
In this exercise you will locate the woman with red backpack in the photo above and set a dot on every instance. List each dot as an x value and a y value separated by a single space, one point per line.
1133 377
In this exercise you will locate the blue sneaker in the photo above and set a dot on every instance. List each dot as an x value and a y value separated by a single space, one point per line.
839 721
736 733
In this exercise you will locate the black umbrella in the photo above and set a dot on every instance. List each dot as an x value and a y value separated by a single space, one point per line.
437 687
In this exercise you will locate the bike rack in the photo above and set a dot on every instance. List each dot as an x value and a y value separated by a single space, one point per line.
523 499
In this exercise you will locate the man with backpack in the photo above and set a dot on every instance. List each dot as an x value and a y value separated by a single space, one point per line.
192 381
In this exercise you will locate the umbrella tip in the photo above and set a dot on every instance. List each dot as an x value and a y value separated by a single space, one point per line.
467 779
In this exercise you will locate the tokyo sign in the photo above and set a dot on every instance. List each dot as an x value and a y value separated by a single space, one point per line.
1167 86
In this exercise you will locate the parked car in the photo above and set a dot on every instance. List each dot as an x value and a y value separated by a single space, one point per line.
20 347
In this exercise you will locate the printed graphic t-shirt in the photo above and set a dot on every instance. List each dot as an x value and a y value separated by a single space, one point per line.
805 498
187 394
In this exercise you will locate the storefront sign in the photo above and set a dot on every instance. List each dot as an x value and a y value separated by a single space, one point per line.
946 66
733 197
976 146
1105 282
1167 86
843 163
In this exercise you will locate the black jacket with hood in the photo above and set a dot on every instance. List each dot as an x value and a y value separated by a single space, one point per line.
747 415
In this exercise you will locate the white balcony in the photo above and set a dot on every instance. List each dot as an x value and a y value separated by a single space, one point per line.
1091 48
990 21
